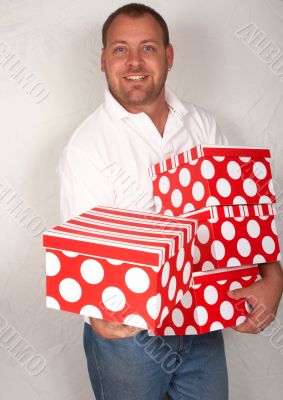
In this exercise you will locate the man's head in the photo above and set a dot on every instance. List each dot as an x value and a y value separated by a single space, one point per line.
136 55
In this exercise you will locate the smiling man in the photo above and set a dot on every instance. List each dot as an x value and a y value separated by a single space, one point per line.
106 163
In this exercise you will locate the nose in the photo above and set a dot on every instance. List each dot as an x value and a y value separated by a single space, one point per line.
135 58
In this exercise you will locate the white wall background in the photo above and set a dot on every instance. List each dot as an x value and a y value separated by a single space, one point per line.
59 41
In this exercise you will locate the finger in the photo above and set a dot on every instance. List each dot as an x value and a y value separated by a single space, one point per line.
247 326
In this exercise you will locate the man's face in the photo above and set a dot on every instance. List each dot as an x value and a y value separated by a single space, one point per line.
135 60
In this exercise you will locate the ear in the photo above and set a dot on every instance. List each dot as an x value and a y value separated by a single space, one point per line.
102 60
170 55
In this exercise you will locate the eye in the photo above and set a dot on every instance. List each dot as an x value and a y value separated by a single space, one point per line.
119 49
148 49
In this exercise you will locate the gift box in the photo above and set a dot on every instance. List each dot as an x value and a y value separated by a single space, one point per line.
206 307
119 265
212 175
230 236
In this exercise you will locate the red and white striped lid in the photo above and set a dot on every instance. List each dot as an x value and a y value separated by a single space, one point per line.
129 236
247 210
206 150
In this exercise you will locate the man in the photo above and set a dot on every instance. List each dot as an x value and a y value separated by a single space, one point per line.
141 123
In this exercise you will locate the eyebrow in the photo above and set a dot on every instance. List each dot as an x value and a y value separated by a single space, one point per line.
125 42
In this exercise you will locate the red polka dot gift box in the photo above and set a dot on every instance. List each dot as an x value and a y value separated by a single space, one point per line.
206 307
119 265
212 175
230 236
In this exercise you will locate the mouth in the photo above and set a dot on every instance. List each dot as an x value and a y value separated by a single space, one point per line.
136 78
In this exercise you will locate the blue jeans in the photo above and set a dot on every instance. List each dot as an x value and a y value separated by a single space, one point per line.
146 367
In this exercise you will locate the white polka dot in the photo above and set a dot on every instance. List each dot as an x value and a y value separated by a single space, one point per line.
207 266
245 159
271 187
234 170
235 285
273 227
194 162
217 250
207 169
91 311
191 330
246 278
258 259
200 315
135 320
196 255
164 184
187 300
223 187
53 264
264 200
153 306
188 207
137 280
210 294
179 296
114 262
219 158
52 303
184 177
253 228
222 282
158 204
172 171
70 290
212 201
228 230
248 307
268 244
168 331
243 247
164 313
156 269
215 326
203 234
239 219
259 170
239 200
198 191
92 271
168 212
70 253
233 262
240 320
113 298
196 286
250 187
180 259
226 310
187 272
165 274
176 198
172 288
177 317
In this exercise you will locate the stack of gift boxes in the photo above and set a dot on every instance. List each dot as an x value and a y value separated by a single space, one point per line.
229 191
170 272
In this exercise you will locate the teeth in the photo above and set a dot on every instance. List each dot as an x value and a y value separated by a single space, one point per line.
136 77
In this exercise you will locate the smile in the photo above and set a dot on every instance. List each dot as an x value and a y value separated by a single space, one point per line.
136 77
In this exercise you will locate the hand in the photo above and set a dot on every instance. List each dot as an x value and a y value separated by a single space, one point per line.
264 297
113 330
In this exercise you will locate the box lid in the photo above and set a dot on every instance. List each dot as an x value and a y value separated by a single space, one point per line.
206 150
128 236
232 211
223 274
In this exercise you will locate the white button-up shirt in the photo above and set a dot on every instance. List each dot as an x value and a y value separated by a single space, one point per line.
107 158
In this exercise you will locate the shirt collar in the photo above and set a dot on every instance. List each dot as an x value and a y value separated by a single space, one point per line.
116 110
